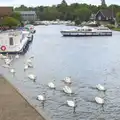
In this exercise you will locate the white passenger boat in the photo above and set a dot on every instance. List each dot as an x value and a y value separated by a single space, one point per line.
88 31
13 41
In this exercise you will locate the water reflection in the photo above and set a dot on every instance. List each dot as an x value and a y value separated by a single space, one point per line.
89 61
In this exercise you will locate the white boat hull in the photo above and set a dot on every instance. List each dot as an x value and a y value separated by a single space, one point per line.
64 33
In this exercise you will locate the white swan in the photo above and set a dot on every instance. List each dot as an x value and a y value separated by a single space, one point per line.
67 90
99 100
67 80
40 97
100 87
30 65
6 66
31 76
51 85
8 61
29 61
17 56
12 70
25 67
70 103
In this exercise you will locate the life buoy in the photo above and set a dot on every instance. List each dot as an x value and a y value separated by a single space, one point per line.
3 48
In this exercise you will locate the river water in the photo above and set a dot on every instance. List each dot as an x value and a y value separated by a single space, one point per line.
88 60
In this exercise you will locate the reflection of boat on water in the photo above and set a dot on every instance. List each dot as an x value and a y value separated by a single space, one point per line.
14 41
88 31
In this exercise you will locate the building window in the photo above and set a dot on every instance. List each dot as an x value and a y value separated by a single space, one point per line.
106 18
11 40
99 17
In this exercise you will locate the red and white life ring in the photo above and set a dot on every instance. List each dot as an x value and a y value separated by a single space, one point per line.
3 48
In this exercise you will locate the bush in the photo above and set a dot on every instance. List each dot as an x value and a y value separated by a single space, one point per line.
110 26
10 22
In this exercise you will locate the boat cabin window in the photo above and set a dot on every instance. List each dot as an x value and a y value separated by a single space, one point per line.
11 40
86 30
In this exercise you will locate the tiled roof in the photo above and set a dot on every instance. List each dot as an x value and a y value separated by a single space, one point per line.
108 13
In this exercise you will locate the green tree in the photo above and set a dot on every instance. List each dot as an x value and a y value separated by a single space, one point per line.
16 15
83 14
118 17
10 21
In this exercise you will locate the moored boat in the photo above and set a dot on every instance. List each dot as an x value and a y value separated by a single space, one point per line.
88 31
13 41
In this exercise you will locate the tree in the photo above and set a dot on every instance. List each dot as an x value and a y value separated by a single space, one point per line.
118 17
17 16
83 14
10 22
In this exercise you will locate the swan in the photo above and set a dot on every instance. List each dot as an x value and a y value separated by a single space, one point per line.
100 87
70 103
67 90
25 67
51 85
40 98
99 100
12 70
29 61
17 56
6 66
67 80
31 76
30 65
8 61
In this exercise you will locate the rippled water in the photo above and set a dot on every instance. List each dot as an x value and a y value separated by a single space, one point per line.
88 60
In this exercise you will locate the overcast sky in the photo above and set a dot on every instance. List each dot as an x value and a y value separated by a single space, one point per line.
52 2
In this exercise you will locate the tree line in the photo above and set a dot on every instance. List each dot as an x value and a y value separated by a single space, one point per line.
63 11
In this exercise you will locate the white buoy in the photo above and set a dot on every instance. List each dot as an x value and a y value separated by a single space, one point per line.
67 90
32 77
51 85
67 80
100 87
99 100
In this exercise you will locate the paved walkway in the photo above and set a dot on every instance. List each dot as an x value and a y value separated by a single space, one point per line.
13 106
